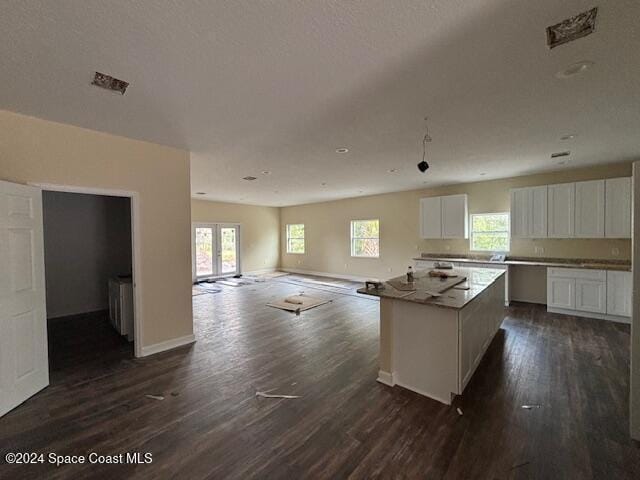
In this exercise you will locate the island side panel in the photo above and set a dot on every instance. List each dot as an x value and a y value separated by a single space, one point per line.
425 349
385 373
479 322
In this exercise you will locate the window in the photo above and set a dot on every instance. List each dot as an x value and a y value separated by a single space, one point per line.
295 238
365 238
490 232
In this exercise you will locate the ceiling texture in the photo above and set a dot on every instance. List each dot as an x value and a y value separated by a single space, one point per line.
253 86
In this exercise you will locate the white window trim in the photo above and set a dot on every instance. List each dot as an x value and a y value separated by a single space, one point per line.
508 231
286 239
352 238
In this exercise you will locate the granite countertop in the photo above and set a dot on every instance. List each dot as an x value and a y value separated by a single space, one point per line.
587 263
478 279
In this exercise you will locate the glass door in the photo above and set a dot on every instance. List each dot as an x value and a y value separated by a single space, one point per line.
216 250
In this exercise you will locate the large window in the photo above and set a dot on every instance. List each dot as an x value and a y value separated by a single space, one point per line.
295 238
490 232
365 238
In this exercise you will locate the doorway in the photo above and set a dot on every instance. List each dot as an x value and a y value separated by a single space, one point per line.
216 250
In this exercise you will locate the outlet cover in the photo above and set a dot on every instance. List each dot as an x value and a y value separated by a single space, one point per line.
615 251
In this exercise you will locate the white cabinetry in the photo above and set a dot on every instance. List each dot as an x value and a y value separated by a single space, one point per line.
430 217
589 217
454 216
444 217
589 293
529 212
561 210
618 207
619 293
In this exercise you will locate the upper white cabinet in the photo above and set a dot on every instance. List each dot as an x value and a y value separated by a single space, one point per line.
455 223
589 214
529 212
430 217
444 217
561 210
618 208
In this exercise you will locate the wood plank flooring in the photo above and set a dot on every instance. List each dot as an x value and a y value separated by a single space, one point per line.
346 425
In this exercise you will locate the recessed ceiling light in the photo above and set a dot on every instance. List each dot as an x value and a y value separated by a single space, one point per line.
392 170
266 172
201 193
249 178
342 150
482 174
568 137
574 69
323 184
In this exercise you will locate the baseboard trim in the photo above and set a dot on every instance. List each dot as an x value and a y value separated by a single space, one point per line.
385 378
325 274
597 316
167 345
261 271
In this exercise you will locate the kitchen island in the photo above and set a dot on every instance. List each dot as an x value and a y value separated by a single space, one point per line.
433 344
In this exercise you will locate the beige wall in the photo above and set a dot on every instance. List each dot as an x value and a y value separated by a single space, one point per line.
34 150
327 226
259 227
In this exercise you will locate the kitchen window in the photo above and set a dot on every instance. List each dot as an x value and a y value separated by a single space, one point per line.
365 238
295 238
490 232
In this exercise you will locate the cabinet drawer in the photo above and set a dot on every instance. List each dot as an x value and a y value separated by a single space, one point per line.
577 273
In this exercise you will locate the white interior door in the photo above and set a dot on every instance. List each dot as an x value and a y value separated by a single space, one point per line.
216 248
24 363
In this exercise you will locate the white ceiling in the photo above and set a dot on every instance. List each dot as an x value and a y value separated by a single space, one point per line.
251 86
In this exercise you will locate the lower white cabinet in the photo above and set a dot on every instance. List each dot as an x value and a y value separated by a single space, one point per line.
561 292
619 293
589 293
591 296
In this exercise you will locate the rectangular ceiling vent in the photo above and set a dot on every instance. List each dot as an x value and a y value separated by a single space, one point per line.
249 178
110 83
572 28
560 154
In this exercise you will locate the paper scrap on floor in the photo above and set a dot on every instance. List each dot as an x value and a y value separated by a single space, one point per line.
298 303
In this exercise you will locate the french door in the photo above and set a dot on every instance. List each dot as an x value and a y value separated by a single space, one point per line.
216 250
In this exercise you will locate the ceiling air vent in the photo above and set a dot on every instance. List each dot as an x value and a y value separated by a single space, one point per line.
572 28
109 83
560 154
249 178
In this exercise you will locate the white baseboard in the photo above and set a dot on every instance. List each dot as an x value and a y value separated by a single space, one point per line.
385 378
167 345
598 316
325 274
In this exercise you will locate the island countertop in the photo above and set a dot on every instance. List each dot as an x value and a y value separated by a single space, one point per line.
456 297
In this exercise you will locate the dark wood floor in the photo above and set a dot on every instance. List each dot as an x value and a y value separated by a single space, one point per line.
211 425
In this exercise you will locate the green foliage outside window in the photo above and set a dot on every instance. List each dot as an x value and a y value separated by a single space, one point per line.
490 232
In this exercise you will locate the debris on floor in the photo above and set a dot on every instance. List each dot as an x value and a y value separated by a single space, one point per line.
531 407
155 397
270 395
298 303
459 411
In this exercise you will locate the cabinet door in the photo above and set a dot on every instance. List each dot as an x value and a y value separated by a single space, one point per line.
619 293
538 212
618 207
454 216
589 215
430 217
591 296
561 292
519 213
561 207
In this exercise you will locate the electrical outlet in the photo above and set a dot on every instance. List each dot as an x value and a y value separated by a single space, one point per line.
538 250
615 251
346 265
390 269
299 262
447 247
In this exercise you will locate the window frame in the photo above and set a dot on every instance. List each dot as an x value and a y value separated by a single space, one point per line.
352 238
287 238
507 231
